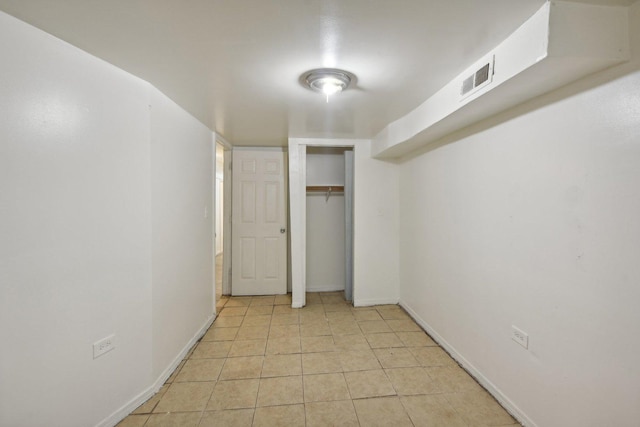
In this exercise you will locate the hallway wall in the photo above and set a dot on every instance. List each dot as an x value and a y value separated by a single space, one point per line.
182 247
376 216
86 170
532 218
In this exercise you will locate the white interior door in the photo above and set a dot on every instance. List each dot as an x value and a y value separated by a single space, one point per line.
259 224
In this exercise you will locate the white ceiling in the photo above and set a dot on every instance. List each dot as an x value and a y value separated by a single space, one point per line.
235 64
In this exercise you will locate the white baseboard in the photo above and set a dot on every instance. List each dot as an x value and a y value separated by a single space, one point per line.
471 369
145 395
368 302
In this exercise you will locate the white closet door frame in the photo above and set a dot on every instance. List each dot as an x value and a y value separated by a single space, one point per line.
348 220
297 203
226 216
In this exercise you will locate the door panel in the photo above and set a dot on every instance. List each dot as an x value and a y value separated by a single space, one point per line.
248 262
272 203
271 254
259 239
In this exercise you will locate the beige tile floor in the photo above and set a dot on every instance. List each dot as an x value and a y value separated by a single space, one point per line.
263 363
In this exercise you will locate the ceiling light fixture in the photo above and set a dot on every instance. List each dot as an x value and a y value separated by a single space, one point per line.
327 80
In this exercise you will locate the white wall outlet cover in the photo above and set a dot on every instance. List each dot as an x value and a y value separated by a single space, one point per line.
104 346
519 336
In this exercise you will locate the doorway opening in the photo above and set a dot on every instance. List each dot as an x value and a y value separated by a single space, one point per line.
329 216
219 219
222 222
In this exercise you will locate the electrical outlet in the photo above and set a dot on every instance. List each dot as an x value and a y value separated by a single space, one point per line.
103 346
519 336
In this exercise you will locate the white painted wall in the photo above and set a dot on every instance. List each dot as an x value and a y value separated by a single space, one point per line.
182 247
75 226
376 228
81 158
325 223
325 166
532 218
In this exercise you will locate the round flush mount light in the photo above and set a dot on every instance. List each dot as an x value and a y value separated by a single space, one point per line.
328 81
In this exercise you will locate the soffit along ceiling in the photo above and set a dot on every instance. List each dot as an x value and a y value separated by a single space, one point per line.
235 64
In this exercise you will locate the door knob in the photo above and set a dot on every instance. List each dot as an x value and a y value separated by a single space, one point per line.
282 230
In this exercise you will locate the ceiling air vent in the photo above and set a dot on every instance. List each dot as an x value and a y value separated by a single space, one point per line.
480 78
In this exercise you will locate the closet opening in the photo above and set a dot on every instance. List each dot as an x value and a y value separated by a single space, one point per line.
329 220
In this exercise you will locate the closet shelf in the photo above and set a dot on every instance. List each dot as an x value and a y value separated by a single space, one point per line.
325 188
